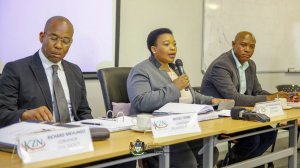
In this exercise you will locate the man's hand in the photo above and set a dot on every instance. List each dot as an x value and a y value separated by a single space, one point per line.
278 95
182 82
41 113
294 97
217 100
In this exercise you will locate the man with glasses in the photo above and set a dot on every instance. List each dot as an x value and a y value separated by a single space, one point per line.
43 86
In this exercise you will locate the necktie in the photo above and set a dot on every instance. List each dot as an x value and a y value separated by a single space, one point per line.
62 109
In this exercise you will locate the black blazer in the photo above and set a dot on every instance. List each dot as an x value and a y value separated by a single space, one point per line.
24 85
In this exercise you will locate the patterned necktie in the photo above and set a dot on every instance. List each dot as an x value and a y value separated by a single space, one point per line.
62 110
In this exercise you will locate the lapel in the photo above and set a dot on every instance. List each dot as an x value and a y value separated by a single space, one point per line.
233 64
70 80
157 65
41 78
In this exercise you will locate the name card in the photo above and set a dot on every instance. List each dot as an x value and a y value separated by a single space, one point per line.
53 144
174 125
269 108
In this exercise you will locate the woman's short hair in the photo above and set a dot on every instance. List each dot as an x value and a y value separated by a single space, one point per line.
152 37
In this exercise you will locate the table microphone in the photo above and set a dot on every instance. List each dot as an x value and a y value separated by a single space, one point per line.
179 66
239 113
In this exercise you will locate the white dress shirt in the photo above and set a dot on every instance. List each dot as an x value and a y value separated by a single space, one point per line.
241 68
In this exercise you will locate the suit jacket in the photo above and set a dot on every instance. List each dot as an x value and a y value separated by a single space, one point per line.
24 85
222 80
149 88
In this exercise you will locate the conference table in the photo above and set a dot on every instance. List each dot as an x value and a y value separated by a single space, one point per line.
117 145
229 126
115 150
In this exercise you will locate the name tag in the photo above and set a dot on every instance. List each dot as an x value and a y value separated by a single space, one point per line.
53 144
174 125
269 108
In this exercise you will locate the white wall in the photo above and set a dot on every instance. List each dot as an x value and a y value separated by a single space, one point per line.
139 17
184 18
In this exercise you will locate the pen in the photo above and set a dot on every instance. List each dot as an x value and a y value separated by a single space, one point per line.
87 123
292 95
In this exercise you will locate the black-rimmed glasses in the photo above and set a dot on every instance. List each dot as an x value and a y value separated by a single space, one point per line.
54 38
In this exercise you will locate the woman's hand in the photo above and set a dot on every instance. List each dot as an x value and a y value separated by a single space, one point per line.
182 82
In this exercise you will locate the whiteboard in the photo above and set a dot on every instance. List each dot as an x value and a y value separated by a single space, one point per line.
274 23
93 20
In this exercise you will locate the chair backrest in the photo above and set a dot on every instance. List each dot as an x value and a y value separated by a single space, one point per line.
197 89
114 85
288 88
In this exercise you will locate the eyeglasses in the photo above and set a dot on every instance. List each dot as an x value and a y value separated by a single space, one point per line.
54 38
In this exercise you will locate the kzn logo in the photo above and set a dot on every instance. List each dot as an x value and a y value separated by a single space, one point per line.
160 124
33 145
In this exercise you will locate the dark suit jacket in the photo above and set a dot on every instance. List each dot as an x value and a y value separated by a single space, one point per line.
24 85
221 80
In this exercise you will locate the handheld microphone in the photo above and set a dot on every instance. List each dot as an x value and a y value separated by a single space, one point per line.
239 113
179 66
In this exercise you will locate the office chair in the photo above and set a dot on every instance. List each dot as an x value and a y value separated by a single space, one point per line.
114 88
113 85
197 89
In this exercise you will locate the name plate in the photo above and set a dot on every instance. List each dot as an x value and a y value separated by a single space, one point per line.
174 125
269 108
53 144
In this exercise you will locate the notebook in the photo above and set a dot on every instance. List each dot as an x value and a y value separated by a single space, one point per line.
180 108
208 116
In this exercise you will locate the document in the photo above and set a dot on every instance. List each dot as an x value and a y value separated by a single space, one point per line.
181 108
294 104
224 113
112 124
208 116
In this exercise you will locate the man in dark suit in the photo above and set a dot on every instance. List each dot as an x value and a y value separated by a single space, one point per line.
222 78
26 85
233 76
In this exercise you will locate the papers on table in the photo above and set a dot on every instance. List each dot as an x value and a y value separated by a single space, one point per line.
181 108
214 114
294 104
208 116
224 113
113 124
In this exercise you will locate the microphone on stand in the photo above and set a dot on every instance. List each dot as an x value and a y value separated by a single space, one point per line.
179 66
